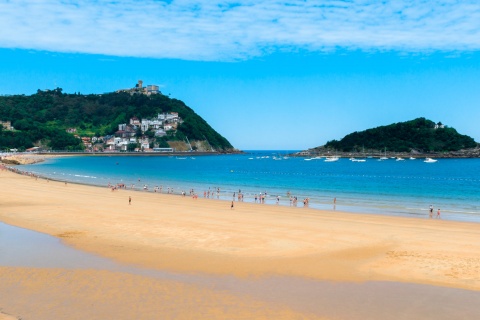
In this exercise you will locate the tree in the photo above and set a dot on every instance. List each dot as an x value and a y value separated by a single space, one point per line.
132 146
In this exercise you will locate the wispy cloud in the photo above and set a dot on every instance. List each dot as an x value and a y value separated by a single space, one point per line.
229 30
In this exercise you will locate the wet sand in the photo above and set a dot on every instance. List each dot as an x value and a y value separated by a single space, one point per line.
204 236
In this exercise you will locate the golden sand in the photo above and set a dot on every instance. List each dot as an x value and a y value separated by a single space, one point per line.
188 235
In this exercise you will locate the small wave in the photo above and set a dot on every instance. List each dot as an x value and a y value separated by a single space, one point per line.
81 176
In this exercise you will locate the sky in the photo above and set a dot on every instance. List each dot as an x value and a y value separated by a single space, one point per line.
270 75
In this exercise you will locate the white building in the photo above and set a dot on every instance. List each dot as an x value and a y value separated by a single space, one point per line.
144 143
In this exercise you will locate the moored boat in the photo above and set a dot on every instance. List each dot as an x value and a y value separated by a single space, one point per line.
331 159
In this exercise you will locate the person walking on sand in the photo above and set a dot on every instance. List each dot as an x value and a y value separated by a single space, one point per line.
231 206
438 213
129 200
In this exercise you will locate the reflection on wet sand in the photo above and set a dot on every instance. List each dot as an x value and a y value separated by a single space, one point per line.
51 267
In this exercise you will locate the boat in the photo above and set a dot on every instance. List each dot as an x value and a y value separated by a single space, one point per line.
331 159
364 159
399 159
412 158
430 160
384 155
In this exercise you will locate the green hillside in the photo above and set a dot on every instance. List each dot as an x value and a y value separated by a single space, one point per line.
43 119
420 134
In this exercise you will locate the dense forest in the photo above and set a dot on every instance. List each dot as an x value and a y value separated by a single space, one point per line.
44 117
420 134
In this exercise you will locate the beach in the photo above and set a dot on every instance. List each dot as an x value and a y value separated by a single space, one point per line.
206 236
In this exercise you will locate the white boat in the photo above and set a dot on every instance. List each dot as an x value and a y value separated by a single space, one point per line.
399 159
384 155
430 160
412 158
331 159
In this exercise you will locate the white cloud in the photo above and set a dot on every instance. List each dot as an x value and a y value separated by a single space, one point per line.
226 30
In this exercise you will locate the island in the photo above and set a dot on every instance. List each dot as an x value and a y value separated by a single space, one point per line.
416 138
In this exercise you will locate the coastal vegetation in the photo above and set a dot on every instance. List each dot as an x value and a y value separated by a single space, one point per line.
418 135
56 120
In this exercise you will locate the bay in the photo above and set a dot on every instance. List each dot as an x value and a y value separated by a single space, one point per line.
402 188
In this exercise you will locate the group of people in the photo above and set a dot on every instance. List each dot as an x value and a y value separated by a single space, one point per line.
431 212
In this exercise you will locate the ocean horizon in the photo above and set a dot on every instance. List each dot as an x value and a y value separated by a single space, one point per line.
389 187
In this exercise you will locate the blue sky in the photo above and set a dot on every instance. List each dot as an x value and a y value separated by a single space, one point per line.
264 74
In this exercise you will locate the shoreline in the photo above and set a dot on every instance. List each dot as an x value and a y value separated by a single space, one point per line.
412 207
200 236
180 234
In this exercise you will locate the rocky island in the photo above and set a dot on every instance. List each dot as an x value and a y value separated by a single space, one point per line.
416 138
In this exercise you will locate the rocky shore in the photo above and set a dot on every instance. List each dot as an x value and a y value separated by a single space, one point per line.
324 152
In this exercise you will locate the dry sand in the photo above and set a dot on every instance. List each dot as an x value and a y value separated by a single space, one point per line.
185 235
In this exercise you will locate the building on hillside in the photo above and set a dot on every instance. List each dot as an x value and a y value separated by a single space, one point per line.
145 125
160 133
134 121
140 89
144 143
7 125
127 133
152 89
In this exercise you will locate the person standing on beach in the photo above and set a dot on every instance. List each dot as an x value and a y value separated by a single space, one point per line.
231 206
438 213
129 200
431 211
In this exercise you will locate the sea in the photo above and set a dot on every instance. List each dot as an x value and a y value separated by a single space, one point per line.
388 187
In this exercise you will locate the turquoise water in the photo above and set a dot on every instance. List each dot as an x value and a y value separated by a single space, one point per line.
405 188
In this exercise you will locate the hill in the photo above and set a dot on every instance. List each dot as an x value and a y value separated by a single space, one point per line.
419 135
55 120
